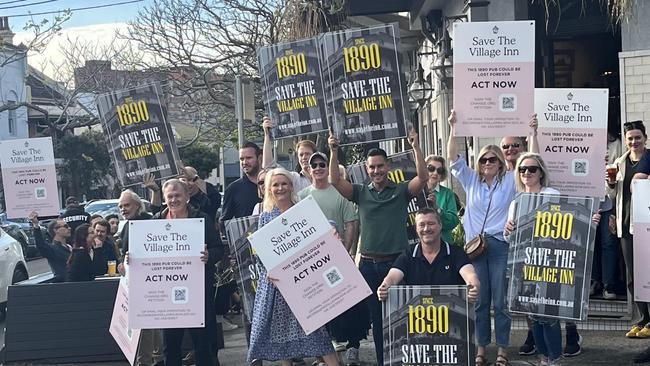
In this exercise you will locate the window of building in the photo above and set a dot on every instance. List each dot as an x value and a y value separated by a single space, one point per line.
12 119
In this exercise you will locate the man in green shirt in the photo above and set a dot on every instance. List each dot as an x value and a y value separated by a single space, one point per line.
383 214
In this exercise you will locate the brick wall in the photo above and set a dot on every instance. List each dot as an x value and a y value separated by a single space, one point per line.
635 85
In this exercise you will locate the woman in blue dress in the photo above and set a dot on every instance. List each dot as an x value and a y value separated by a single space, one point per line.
275 331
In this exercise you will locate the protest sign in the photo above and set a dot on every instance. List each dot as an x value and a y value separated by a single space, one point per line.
549 264
494 77
641 225
292 87
125 337
402 168
572 135
29 177
366 84
140 139
428 326
238 231
166 275
314 272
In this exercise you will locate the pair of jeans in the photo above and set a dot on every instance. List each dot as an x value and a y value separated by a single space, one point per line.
641 313
149 347
605 266
548 337
491 270
204 339
374 273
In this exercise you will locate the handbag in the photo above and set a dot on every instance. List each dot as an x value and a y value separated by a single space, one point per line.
478 245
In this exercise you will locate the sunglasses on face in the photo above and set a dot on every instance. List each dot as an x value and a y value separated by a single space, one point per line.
491 160
532 169
318 165
260 183
507 146
440 170
66 226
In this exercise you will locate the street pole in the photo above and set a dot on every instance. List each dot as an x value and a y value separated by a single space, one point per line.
239 112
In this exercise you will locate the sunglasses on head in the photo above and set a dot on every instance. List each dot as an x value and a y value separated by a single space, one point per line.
507 146
491 159
431 169
318 165
532 169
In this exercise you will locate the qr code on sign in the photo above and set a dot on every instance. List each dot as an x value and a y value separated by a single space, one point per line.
40 193
333 277
580 167
180 295
508 102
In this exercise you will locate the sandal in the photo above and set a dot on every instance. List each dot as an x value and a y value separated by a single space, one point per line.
502 361
480 360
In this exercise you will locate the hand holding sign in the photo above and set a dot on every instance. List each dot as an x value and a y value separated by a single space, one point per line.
413 139
332 141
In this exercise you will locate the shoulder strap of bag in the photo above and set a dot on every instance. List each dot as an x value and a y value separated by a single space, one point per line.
488 208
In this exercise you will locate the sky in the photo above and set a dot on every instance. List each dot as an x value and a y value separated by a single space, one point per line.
97 25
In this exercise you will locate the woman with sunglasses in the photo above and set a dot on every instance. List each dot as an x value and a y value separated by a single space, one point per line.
441 198
489 188
532 177
619 191
260 191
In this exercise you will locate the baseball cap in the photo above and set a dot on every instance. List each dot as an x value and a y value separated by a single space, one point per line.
318 154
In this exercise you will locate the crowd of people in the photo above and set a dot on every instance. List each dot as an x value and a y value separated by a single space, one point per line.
371 221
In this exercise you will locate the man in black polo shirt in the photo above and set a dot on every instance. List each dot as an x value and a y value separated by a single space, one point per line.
240 196
432 262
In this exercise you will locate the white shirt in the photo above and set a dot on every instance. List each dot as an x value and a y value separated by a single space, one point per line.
478 196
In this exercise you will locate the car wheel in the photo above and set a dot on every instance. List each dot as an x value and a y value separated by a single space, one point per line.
19 275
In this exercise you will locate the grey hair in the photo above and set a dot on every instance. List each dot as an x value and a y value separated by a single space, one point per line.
175 182
134 197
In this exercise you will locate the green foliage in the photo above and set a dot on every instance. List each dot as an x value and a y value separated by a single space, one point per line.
201 157
86 163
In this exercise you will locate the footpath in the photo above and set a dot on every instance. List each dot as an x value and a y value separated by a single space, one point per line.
598 348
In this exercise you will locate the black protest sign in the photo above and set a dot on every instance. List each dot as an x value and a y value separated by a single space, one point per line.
428 326
238 230
402 168
292 87
366 85
140 138
549 265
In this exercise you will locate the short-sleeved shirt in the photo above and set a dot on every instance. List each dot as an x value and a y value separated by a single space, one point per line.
445 269
334 205
382 217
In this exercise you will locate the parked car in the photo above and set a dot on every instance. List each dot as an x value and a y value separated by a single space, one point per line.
23 231
109 207
13 267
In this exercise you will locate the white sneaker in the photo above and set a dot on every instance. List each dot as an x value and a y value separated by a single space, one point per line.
226 325
338 346
352 357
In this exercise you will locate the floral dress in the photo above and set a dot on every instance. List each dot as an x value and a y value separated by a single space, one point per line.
275 331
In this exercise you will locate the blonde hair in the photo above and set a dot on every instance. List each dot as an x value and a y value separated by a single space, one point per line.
269 199
543 179
496 150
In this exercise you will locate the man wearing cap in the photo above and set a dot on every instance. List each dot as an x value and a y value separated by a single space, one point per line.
351 326
74 215
383 215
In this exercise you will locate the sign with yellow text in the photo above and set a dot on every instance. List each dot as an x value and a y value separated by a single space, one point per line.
428 326
366 84
549 265
140 138
238 230
292 87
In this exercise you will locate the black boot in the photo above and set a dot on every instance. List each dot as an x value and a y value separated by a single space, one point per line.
528 348
573 340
